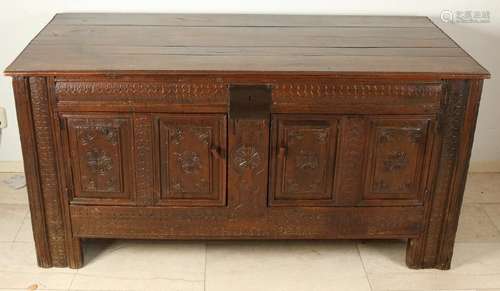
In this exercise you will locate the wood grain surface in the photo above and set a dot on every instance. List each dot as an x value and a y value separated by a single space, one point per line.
174 43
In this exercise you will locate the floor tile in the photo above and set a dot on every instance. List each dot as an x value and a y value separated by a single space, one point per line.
284 265
9 195
11 220
476 226
482 188
25 233
474 266
437 290
18 269
142 265
493 211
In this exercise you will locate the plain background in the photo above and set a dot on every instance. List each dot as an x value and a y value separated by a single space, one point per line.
20 21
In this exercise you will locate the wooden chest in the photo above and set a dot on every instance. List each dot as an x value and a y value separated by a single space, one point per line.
158 126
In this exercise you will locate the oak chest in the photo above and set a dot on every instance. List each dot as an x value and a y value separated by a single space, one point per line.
159 126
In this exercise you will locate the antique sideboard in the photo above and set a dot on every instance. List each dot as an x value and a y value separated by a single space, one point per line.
170 126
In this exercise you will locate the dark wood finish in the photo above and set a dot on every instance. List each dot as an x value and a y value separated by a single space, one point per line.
303 155
98 150
172 44
191 159
399 154
160 126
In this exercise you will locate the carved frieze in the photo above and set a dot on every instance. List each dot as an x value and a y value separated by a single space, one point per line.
329 91
168 91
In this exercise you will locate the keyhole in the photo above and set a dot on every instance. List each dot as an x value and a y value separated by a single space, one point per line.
249 99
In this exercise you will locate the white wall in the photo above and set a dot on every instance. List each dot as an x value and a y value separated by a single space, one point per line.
20 20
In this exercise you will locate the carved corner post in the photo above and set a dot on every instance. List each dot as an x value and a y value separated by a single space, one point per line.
55 245
434 248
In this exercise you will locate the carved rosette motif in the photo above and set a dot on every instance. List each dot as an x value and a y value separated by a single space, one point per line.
99 160
306 160
395 161
246 157
189 161
388 135
176 135
295 136
202 133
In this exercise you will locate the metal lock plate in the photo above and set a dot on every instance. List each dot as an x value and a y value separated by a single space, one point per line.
250 101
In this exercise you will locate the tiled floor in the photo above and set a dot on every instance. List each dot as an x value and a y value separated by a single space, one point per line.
262 266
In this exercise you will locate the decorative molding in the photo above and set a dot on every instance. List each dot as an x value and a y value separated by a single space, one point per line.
354 131
351 93
171 92
143 131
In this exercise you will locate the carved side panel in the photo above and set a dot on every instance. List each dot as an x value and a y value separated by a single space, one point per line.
47 172
100 149
434 248
192 152
397 159
305 158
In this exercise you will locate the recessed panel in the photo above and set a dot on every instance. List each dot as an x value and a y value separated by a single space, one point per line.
191 159
304 159
101 166
398 153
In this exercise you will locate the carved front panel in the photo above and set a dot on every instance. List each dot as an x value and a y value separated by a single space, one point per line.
100 150
304 158
191 156
398 154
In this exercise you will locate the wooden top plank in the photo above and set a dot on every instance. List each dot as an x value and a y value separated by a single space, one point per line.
244 20
256 44
244 36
